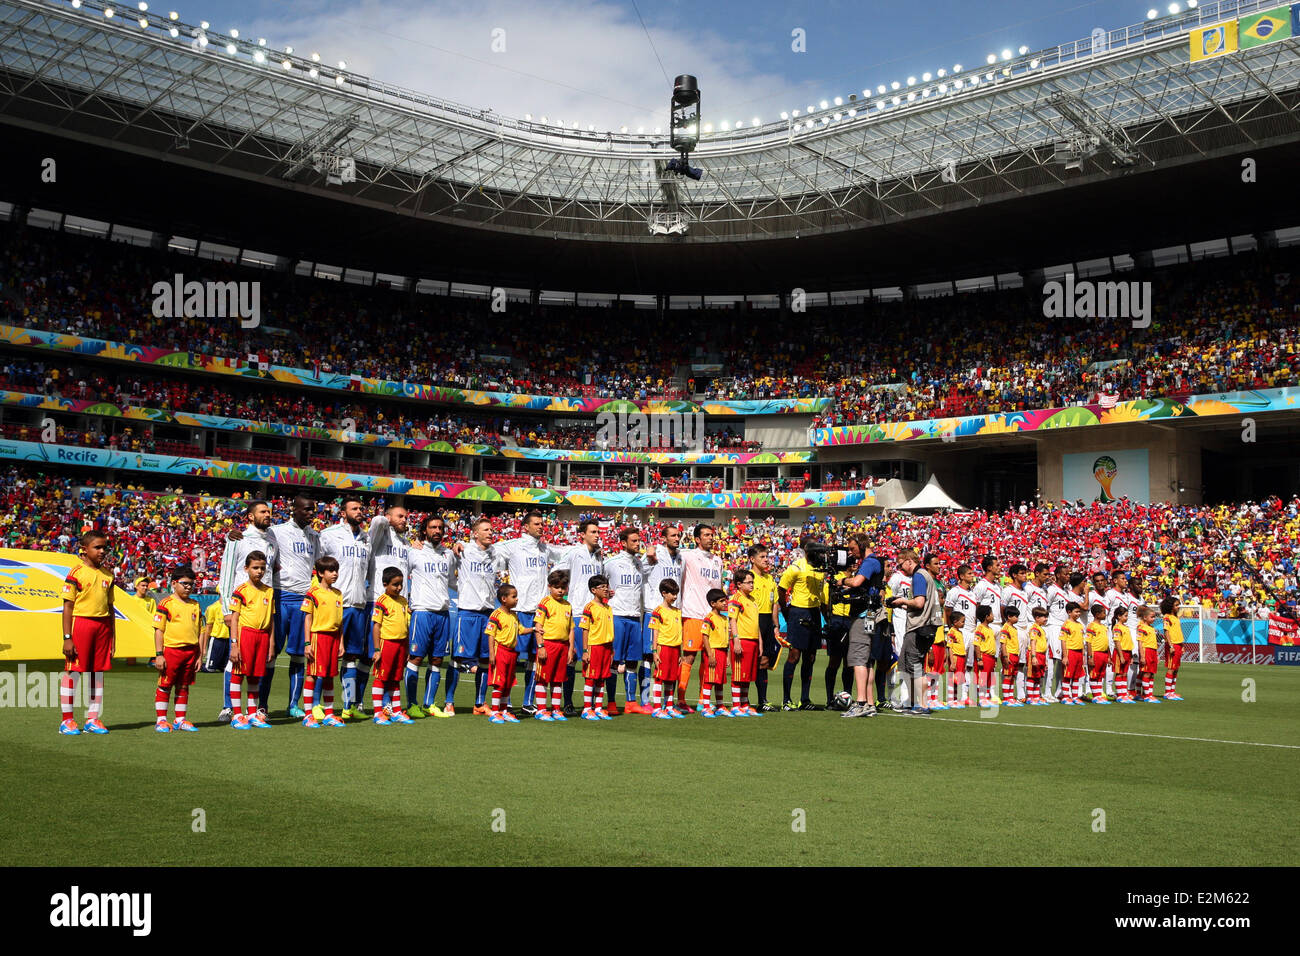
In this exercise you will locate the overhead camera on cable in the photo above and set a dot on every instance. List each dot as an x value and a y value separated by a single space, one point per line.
684 126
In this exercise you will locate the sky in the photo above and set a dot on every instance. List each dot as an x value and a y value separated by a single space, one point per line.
611 62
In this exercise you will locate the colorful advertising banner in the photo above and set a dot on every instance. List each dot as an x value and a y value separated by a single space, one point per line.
1283 630
197 420
1078 416
31 609
450 395
663 458
1106 476
729 499
398 485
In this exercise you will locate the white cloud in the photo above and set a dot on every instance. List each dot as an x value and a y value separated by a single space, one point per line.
589 62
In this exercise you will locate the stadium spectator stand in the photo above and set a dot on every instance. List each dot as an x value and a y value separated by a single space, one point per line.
1219 325
1239 560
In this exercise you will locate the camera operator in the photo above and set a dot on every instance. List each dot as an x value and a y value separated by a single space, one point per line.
868 643
835 630
800 592
924 616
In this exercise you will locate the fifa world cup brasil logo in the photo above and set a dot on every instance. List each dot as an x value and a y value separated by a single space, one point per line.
1105 470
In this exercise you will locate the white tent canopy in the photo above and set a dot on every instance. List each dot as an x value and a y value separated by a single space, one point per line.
931 498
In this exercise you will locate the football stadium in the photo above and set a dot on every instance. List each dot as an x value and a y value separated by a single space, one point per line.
804 451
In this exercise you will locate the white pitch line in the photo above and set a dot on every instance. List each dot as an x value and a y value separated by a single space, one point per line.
1122 733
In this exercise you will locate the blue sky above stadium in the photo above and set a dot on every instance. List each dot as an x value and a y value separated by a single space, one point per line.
592 62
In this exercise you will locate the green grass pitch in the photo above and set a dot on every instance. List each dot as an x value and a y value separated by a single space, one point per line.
786 789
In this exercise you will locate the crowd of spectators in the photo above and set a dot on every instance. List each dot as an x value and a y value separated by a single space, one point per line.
96 383
1217 325
1237 560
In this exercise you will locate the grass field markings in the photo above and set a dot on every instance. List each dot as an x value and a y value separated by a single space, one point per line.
1122 733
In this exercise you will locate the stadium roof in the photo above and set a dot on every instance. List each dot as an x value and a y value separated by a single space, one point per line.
1002 126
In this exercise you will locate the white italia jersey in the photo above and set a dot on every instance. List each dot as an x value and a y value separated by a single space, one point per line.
430 577
988 594
298 549
528 562
701 571
388 549
233 573
352 552
626 577
582 565
667 566
961 600
476 578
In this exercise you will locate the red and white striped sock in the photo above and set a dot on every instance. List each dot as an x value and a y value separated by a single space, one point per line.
96 708
1007 680
1148 685
327 695
394 688
308 694
160 699
657 694
952 692
600 695
557 698
377 696
1169 683
496 700
1173 683
67 693
706 695
539 696
237 695
735 694
586 694
182 702
254 685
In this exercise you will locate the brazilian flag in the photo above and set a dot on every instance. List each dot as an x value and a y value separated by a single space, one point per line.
1261 28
